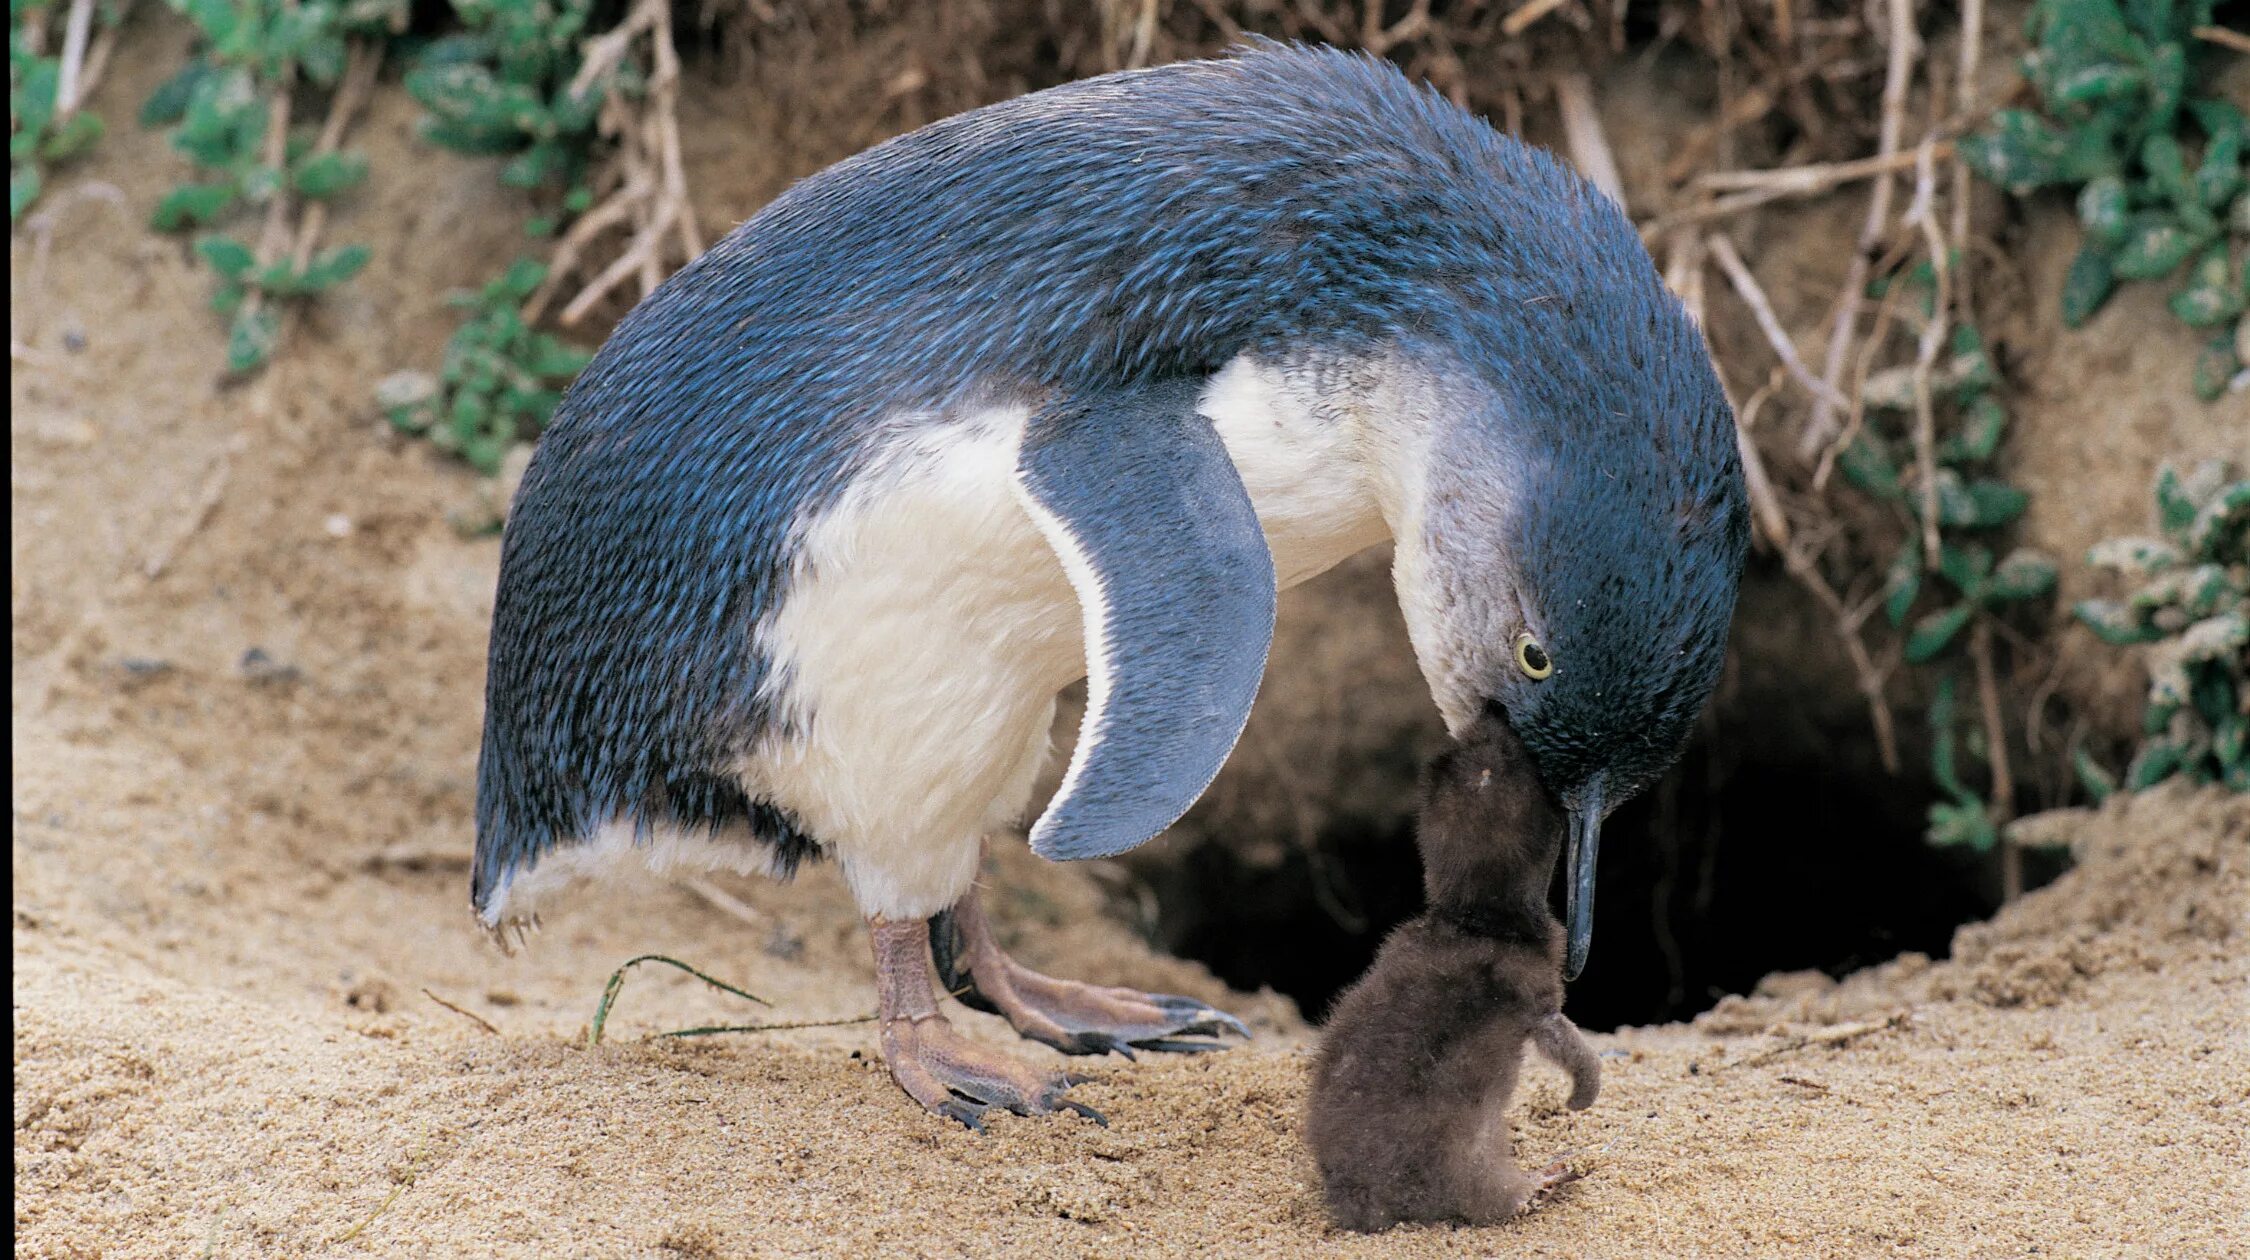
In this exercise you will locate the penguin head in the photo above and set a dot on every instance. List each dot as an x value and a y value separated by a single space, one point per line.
1581 528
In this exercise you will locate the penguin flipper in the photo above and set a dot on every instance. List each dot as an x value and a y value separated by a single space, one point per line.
1136 494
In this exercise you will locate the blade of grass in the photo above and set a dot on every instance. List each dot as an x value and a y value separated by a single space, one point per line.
617 982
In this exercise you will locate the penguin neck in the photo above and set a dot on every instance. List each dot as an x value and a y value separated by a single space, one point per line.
1401 416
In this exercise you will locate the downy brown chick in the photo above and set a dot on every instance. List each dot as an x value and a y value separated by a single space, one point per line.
1408 1114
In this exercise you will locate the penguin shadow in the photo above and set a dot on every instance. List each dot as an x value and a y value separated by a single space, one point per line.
1407 1114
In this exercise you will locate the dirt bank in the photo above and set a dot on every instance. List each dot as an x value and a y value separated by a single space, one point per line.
247 656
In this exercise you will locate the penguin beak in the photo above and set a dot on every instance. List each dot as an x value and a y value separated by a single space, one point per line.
1578 893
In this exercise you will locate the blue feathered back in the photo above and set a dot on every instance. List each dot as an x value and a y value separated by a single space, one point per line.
1138 225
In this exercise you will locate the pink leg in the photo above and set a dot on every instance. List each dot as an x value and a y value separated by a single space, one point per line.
938 1067
1072 1017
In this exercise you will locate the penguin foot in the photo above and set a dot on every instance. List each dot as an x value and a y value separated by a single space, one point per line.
961 1080
1072 1017
947 1073
1551 1179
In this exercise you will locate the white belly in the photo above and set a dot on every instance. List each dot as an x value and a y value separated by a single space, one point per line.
929 626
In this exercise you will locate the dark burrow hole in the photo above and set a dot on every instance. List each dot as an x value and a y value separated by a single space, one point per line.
1702 891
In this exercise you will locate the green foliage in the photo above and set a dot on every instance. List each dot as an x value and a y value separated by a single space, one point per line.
503 87
500 381
1935 601
220 106
37 136
2163 187
1964 817
2189 616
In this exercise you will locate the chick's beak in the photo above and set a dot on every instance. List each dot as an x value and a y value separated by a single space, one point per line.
1585 840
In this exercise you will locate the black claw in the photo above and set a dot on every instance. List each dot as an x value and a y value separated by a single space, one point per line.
967 1112
1108 1043
1197 1018
1086 1111
1200 1028
1173 1045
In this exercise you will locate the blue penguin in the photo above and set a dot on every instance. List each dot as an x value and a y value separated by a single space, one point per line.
1069 387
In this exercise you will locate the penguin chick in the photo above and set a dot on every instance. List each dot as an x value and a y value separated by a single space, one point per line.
1407 1118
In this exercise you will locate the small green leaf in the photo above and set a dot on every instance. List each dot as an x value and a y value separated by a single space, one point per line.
522 278
2092 277
328 174
2098 781
227 256
2230 739
2021 153
1904 582
2152 250
1866 465
1935 631
1983 423
1965 565
23 189
333 267
260 183
2166 165
191 205
2216 366
2115 624
2155 762
2205 305
2133 555
169 102
2219 176
1979 504
2102 207
2024 575
251 339
73 138
2101 81
2220 532
1963 824
1971 371
552 360
2167 76
2175 511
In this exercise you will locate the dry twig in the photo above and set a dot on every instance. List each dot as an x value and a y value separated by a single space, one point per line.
463 1012
1582 132
2223 37
363 62
206 501
1380 39
69 80
1996 754
1820 424
650 191
1746 286
1521 20
726 903
1836 1035
1818 177
1921 214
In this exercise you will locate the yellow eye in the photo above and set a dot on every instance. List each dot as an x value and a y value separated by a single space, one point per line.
1531 658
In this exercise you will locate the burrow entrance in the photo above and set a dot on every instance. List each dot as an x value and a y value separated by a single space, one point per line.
1707 883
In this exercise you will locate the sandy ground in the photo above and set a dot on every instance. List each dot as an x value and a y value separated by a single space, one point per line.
247 657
